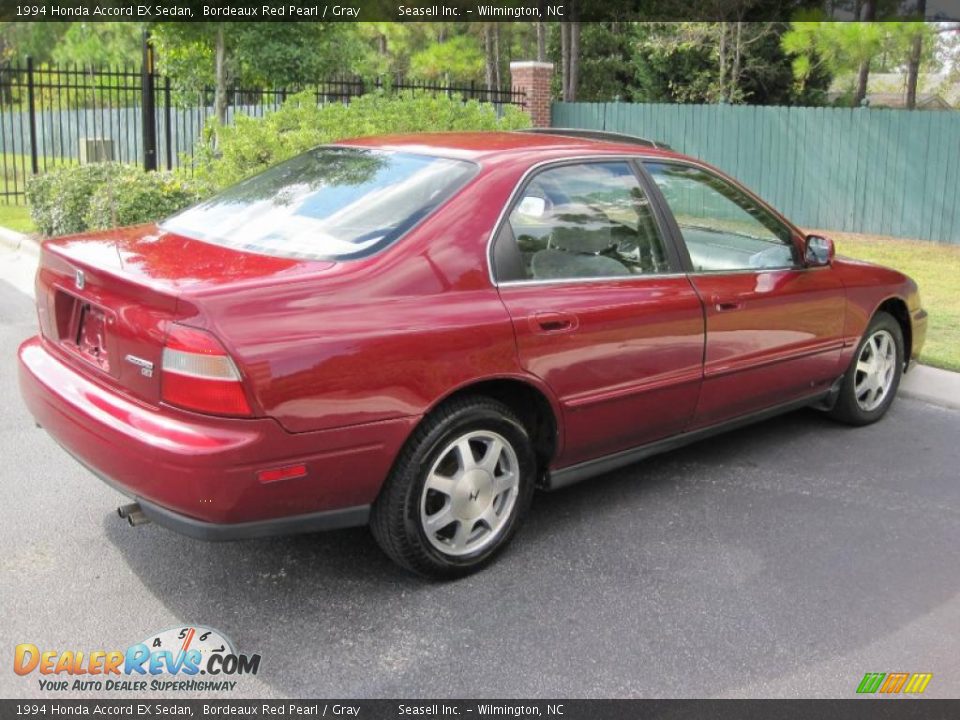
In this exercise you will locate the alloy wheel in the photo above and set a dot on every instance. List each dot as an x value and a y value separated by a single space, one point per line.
876 369
470 493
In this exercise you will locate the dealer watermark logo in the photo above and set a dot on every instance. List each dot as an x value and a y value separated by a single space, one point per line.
188 659
894 683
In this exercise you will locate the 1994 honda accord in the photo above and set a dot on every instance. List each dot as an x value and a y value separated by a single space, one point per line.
416 331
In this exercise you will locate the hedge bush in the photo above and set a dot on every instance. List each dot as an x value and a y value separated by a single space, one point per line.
136 196
76 198
59 200
254 144
73 199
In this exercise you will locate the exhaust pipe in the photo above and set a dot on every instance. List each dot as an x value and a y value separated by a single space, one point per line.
124 510
133 514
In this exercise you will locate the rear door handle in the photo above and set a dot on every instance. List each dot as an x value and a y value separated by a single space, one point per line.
726 305
553 322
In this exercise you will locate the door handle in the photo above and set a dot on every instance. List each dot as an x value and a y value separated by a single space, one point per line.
722 305
553 322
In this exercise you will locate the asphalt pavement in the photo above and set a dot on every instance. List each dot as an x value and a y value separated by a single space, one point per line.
785 559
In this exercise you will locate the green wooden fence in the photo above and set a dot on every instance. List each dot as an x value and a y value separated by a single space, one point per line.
890 172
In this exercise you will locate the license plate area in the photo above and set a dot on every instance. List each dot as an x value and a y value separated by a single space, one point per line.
82 328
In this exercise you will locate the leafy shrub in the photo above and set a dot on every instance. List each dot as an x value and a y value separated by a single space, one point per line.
76 198
136 197
59 200
254 144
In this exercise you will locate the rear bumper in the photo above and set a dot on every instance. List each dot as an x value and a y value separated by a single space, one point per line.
311 522
198 475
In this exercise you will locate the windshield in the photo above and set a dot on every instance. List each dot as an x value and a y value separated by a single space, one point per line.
331 203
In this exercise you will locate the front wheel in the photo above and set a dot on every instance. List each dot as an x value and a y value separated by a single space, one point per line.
873 377
458 491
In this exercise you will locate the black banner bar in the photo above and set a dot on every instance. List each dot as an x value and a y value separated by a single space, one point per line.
457 10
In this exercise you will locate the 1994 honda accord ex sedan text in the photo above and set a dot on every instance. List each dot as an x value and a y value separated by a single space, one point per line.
416 331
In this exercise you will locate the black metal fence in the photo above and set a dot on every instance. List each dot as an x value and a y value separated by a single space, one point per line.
57 115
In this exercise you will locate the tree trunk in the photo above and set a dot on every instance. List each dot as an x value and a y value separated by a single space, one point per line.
722 63
913 66
565 61
6 89
734 93
496 57
863 75
220 95
574 63
505 49
541 42
488 55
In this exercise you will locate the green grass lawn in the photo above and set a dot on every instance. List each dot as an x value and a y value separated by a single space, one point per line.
16 217
936 269
14 173
16 165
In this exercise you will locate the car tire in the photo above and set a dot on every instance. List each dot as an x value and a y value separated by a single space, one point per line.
459 490
871 382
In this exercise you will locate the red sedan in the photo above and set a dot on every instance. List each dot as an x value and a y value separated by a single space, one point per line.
416 332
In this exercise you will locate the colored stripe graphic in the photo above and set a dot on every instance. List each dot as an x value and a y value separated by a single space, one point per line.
871 682
918 682
894 682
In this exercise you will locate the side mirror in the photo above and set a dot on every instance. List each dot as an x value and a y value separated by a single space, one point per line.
818 251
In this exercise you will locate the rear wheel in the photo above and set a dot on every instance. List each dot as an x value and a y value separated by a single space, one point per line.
459 489
873 377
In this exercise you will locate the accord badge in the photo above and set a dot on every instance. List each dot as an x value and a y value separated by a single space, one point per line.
146 367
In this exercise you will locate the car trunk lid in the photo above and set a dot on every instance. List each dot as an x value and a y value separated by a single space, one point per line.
106 300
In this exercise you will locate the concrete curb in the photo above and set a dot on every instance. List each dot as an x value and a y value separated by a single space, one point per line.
18 241
932 385
19 256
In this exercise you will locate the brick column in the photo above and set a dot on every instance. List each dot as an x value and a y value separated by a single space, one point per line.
533 78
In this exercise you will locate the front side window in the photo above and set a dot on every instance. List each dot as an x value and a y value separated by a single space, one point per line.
586 220
330 203
723 228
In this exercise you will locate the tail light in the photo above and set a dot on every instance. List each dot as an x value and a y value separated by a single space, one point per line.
198 374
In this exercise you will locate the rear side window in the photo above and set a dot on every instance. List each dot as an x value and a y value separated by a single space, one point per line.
329 203
584 220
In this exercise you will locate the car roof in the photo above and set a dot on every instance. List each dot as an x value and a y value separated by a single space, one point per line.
489 147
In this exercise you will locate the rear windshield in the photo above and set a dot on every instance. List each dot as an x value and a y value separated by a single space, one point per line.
331 203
